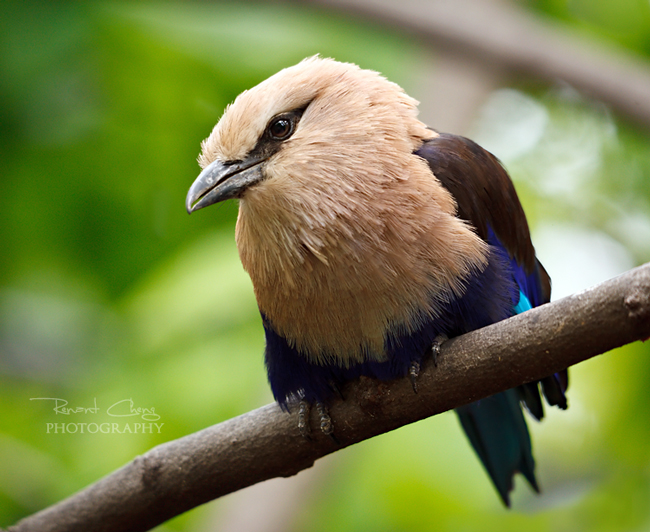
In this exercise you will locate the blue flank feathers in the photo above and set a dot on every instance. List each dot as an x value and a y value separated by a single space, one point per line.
523 305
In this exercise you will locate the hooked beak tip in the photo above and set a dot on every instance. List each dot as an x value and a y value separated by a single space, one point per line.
221 181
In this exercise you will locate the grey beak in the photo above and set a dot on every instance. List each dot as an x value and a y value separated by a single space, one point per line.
221 181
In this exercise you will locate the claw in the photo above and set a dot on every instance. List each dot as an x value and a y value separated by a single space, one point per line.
326 425
303 419
414 371
435 347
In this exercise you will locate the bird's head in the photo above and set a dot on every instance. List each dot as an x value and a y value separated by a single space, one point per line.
313 130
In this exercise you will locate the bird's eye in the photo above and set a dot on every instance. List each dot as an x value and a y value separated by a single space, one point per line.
281 128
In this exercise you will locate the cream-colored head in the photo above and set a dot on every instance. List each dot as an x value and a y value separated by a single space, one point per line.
336 95
345 232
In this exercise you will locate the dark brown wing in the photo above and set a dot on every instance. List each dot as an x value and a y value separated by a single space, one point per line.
485 196
487 199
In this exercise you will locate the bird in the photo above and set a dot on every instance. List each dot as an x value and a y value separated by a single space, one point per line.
370 238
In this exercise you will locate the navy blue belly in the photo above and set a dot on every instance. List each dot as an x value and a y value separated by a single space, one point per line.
490 297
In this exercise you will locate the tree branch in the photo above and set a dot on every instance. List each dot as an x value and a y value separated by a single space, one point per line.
507 36
265 443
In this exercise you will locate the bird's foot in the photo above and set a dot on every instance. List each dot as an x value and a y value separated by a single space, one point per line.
434 350
435 347
414 371
303 419
326 424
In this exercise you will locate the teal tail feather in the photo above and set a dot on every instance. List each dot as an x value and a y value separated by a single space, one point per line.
497 430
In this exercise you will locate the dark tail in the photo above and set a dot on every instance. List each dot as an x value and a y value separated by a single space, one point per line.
497 430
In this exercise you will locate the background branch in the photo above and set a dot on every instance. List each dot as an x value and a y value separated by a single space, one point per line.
182 474
502 35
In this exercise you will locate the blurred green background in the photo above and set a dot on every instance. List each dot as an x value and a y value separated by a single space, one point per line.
109 291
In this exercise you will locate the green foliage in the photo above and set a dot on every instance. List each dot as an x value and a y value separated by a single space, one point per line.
110 292
626 22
